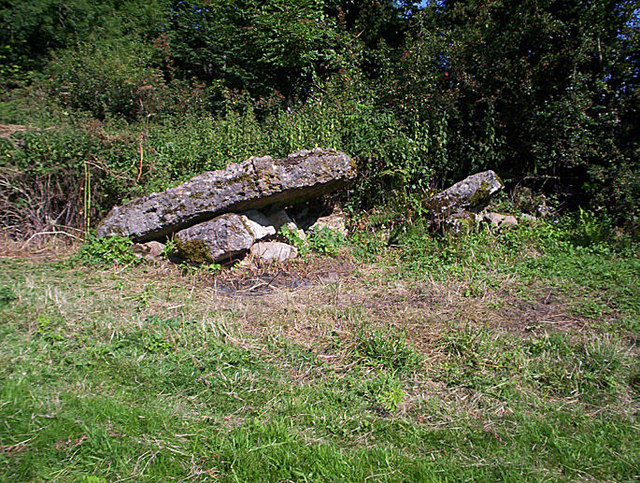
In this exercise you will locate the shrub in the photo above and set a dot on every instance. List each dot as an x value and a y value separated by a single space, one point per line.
111 78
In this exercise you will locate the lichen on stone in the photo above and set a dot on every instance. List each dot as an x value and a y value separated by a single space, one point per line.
194 251
481 195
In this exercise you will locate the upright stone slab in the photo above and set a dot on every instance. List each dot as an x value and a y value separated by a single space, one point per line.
472 194
254 183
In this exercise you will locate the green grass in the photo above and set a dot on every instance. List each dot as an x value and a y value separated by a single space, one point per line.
145 374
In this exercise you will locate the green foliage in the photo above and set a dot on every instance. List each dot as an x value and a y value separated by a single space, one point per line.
39 26
108 79
7 295
129 159
552 103
264 48
386 349
326 241
213 268
292 237
107 250
591 229
415 95
369 243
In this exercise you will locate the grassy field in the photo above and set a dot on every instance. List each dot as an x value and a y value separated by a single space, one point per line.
493 357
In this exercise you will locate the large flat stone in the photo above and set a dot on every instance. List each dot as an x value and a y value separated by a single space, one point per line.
254 183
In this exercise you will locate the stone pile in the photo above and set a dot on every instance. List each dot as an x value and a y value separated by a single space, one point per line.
214 217
462 206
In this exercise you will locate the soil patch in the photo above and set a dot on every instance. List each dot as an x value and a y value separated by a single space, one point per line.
257 280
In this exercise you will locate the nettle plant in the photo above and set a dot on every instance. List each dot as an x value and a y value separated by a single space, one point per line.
326 241
293 237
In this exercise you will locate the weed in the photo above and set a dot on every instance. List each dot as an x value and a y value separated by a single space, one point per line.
386 349
326 241
590 229
48 329
7 295
170 249
368 245
197 270
392 398
107 250
292 236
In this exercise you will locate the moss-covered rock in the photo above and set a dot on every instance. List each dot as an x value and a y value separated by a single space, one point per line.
469 195
194 251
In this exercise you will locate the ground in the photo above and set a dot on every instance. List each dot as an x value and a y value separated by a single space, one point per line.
511 361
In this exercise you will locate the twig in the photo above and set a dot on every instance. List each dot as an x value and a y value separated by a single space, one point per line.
140 138
48 233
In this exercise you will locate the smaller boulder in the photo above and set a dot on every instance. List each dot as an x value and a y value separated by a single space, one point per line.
336 222
472 194
460 223
273 251
222 238
498 220
258 224
150 251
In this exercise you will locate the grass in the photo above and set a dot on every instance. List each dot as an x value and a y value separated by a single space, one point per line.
471 363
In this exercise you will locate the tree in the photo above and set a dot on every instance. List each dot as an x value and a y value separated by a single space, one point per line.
535 87
260 47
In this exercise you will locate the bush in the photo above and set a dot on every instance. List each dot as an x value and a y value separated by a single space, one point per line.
111 78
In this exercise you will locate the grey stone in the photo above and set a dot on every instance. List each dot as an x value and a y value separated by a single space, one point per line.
498 220
528 218
273 251
281 218
258 224
222 238
252 184
151 250
336 221
472 194
460 223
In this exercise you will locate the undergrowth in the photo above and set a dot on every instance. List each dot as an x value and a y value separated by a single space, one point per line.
144 373
107 251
